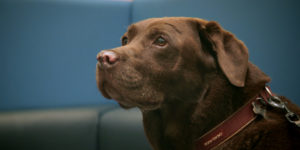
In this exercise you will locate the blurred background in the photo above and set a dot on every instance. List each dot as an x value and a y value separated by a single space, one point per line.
48 49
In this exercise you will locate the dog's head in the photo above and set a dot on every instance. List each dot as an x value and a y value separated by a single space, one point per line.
169 58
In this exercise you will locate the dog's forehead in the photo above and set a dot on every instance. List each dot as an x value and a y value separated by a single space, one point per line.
144 24
147 22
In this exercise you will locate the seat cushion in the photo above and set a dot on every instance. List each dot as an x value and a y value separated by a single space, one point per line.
52 129
122 130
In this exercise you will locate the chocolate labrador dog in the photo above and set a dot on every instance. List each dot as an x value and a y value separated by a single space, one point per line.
196 88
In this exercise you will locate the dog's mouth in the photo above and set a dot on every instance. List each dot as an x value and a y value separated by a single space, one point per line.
128 87
104 85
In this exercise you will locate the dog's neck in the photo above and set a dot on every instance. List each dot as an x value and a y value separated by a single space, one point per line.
223 99
215 107
189 119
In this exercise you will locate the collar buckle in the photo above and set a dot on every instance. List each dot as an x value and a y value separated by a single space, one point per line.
276 102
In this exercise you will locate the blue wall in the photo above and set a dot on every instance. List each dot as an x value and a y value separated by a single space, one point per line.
48 50
48 47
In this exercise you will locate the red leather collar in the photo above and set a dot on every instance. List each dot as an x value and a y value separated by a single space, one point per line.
229 127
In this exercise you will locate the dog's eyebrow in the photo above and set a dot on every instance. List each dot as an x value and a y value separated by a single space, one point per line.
174 27
131 31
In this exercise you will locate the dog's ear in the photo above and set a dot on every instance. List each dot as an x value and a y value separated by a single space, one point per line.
231 53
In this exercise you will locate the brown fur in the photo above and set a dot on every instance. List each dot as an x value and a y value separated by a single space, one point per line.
191 84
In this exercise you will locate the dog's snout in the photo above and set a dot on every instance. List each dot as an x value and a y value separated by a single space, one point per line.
107 58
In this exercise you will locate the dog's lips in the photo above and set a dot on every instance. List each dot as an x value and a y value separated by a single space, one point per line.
103 91
101 79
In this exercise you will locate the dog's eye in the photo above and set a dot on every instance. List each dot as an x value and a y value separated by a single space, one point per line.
124 41
160 41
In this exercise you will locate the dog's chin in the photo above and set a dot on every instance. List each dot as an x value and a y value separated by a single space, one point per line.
142 104
125 106
127 103
141 107
149 108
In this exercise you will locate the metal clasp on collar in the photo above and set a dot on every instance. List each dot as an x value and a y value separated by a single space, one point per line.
276 102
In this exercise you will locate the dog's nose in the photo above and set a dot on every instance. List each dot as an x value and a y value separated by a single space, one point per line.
107 57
